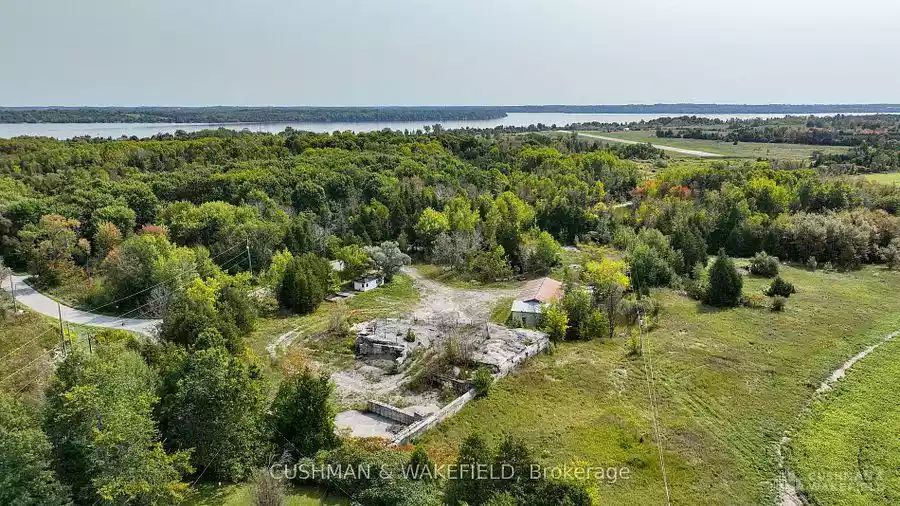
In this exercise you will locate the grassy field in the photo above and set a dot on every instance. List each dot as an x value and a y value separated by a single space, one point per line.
884 178
847 450
741 150
26 342
24 339
239 495
729 384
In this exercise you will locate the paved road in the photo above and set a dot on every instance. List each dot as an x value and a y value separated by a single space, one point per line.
692 152
36 301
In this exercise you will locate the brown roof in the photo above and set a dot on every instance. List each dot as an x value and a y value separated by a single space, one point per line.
542 290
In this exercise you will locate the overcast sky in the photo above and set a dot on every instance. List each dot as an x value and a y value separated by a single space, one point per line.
415 52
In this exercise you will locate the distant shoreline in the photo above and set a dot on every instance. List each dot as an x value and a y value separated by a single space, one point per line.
230 115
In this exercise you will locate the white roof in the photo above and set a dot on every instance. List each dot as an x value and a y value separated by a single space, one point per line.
521 306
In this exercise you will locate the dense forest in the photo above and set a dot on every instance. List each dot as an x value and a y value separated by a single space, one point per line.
189 228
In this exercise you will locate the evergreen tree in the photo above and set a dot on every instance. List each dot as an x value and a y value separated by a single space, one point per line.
725 283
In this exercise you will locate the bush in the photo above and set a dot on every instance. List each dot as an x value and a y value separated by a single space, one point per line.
811 263
778 303
633 344
780 287
764 265
754 300
410 336
725 284
265 489
595 326
482 382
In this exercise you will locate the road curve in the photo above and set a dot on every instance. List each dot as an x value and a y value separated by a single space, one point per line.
36 301
692 152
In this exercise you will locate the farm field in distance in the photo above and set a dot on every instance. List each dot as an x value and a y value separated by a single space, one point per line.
729 384
727 149
884 177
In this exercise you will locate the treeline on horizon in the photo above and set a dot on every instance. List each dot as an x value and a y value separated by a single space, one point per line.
229 114
240 114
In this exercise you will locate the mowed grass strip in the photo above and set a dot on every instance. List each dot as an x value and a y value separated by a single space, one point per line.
728 149
729 384
847 450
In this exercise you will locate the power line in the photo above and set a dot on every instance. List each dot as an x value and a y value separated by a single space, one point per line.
160 283
124 316
648 371
120 318
40 356
42 334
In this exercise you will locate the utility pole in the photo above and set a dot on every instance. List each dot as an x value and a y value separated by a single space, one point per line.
249 262
62 334
12 286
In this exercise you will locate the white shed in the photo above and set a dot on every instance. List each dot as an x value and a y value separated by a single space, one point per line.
368 282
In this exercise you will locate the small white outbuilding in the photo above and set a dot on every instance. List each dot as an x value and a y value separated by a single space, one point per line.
368 282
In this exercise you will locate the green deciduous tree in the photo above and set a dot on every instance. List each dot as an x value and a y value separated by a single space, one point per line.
388 257
215 403
99 419
25 459
430 225
541 253
303 415
492 265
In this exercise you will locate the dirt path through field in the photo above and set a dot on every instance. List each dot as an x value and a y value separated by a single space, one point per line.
787 489
470 305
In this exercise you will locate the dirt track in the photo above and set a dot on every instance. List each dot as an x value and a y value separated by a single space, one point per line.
470 305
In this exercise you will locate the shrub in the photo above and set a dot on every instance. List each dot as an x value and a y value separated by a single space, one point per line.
482 382
633 344
410 336
812 263
780 287
754 300
778 303
595 326
725 284
764 265
555 321
265 489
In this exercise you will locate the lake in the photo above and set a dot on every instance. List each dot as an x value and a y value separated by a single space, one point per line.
115 130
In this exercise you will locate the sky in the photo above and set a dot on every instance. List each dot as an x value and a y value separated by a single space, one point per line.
447 52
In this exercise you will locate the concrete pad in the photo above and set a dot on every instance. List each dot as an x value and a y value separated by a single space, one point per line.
365 424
